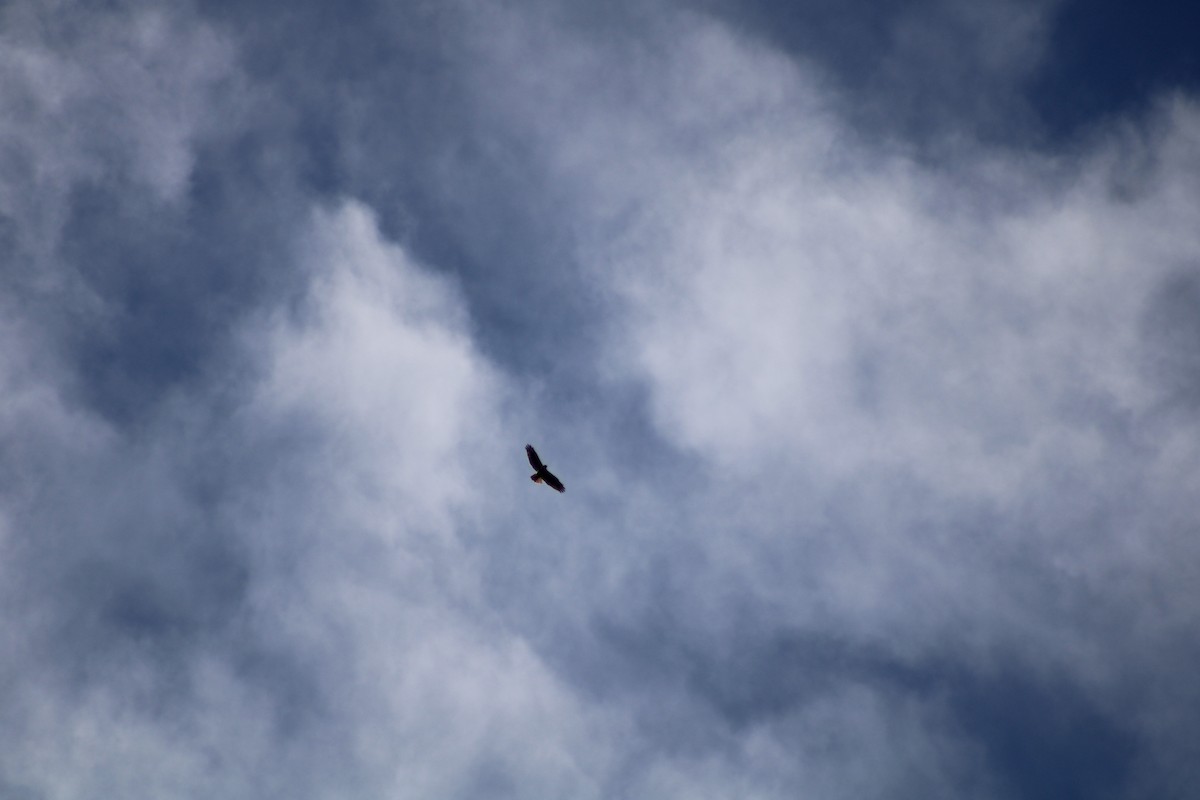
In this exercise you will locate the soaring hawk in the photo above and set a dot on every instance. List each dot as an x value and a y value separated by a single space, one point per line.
542 475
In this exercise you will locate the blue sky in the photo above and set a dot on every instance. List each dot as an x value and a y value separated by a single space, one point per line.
863 335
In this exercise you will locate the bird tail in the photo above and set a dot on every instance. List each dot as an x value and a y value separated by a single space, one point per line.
534 477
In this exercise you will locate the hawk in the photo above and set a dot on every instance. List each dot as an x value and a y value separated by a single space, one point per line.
542 475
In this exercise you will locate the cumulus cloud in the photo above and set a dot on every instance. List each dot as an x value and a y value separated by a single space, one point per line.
95 94
879 464
340 481
921 387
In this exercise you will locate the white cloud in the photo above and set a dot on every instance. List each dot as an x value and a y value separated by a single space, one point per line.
908 437
93 95
919 387
366 441
882 318
379 356
364 575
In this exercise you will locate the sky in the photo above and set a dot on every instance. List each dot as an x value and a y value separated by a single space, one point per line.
865 337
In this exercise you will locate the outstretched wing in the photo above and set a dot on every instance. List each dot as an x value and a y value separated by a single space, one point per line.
551 480
534 461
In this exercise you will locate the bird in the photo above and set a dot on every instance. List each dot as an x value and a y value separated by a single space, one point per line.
542 475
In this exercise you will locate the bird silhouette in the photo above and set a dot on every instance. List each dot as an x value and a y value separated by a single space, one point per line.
542 475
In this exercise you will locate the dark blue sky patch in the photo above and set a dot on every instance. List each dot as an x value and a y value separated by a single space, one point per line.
1042 736
767 679
917 70
167 284
160 589
1108 58
841 35
752 675
154 318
